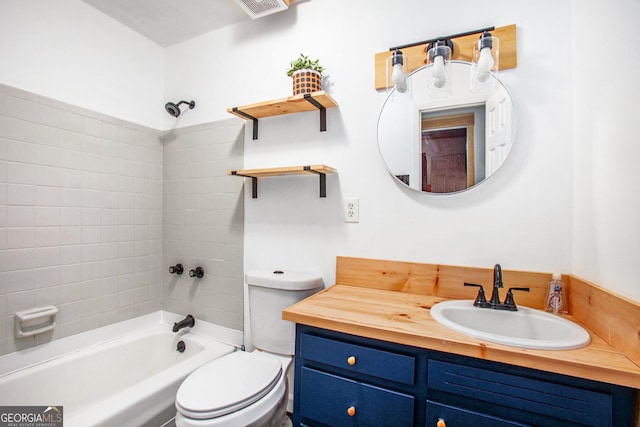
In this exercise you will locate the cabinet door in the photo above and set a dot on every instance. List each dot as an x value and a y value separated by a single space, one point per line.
519 395
337 401
457 417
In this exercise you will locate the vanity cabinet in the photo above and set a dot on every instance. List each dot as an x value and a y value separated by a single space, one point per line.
347 380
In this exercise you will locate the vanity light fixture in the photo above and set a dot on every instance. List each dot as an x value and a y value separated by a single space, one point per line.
398 75
439 57
414 53
485 60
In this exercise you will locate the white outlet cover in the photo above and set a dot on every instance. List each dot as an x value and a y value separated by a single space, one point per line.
351 210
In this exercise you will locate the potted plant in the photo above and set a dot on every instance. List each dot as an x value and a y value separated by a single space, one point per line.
306 75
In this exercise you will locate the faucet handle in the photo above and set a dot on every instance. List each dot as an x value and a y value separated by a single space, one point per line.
197 272
481 299
176 269
509 302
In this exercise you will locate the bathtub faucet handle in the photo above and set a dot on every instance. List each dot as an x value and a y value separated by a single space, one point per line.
187 322
176 269
197 272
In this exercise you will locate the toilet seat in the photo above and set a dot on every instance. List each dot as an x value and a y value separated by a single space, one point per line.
227 384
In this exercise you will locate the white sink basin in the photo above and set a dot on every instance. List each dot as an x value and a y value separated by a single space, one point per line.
527 327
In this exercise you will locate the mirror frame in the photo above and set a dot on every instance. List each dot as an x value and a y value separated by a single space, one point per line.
422 108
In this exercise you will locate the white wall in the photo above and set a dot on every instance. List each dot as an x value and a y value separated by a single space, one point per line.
607 203
522 217
67 50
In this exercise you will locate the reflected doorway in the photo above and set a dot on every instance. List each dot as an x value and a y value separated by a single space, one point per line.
447 150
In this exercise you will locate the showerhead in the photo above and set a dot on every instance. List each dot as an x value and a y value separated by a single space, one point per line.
174 109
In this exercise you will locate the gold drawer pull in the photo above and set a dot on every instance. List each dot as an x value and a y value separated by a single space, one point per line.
351 411
351 360
441 423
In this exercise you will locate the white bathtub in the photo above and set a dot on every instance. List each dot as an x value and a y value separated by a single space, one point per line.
122 375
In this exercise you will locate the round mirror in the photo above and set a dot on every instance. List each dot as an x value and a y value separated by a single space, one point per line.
446 143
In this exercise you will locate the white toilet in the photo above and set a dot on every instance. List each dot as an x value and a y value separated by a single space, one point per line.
250 389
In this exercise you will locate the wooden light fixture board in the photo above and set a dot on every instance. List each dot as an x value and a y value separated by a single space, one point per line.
462 51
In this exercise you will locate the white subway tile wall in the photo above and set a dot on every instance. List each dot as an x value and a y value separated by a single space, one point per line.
203 217
81 217
72 184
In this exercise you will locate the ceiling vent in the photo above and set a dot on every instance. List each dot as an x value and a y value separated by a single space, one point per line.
259 8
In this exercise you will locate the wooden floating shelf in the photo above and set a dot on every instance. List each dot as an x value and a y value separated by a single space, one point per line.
278 107
319 101
462 51
254 174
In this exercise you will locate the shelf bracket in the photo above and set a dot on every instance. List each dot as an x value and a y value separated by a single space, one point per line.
323 180
323 111
254 183
250 117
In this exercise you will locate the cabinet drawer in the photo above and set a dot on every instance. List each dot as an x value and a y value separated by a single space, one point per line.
364 360
457 417
543 398
336 401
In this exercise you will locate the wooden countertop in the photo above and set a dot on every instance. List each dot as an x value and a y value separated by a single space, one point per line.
405 318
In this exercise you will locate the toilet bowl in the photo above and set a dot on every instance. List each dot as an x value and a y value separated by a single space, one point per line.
250 389
239 389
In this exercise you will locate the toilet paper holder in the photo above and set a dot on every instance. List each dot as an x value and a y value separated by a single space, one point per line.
35 321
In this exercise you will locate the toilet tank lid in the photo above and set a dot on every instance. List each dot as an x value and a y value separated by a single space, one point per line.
284 279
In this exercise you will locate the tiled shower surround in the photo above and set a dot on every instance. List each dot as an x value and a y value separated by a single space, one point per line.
202 221
85 217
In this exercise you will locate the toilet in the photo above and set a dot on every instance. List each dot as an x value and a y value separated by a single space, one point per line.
250 388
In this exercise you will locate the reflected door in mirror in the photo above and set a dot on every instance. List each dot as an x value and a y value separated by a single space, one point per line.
444 160
447 148
498 140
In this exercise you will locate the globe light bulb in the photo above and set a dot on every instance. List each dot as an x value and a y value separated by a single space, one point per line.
485 64
398 79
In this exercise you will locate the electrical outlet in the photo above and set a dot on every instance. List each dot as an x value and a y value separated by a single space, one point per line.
351 210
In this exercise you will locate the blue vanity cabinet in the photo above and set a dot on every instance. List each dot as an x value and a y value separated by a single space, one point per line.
347 380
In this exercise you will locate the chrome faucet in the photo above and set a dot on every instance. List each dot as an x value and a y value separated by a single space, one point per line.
509 302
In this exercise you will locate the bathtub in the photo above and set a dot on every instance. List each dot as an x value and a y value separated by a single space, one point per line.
121 375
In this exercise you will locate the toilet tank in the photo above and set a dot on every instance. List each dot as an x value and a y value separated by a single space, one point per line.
269 293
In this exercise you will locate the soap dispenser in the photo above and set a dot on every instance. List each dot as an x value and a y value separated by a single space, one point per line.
556 299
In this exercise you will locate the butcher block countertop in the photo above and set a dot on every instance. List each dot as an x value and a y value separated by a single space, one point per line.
404 317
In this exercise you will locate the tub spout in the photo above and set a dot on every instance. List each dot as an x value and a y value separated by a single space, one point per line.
188 321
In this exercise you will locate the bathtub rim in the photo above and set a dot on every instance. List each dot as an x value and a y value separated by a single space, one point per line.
33 356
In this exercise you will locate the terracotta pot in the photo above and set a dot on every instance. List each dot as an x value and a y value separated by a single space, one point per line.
306 81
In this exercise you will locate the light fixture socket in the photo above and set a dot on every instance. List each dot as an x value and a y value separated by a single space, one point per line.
439 47
397 57
485 61
486 40
439 62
